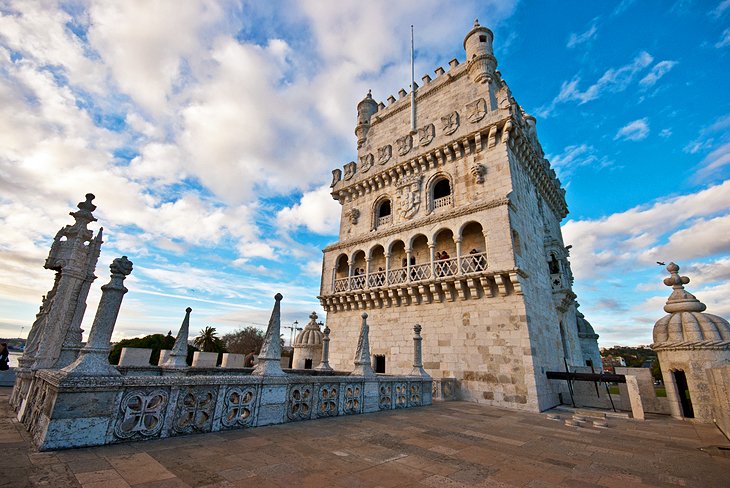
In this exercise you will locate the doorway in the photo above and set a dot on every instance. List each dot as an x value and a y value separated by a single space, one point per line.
379 364
680 379
307 364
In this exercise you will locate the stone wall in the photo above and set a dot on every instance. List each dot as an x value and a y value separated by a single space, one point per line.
719 383
67 412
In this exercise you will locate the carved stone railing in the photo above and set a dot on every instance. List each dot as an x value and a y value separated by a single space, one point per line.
357 282
420 272
474 263
376 279
445 267
442 202
342 284
397 276
385 220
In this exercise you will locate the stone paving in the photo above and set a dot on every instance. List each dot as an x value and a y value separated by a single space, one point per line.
452 444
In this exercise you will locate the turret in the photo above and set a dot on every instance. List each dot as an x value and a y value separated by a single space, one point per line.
365 110
479 53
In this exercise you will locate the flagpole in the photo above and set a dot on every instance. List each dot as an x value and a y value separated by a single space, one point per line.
413 86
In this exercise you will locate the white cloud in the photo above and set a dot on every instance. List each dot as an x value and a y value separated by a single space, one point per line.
724 39
316 211
717 159
665 133
634 131
576 156
577 39
657 71
613 80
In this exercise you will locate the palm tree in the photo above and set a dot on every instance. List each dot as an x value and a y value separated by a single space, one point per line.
207 340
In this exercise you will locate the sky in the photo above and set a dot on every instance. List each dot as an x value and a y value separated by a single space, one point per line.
208 131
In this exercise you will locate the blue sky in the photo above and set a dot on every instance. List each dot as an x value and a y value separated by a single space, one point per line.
208 130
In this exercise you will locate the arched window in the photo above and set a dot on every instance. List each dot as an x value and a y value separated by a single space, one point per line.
383 213
441 193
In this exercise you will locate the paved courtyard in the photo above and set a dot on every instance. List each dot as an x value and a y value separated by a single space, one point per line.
452 444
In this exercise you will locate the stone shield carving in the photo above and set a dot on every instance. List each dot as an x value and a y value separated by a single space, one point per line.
336 176
426 135
384 154
409 195
366 162
404 144
476 110
141 414
450 123
350 170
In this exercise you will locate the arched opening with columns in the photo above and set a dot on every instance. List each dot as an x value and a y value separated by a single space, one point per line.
440 192
342 273
420 258
397 263
473 248
357 280
445 255
376 273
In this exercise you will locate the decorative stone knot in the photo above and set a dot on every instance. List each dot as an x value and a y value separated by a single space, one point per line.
364 315
278 297
680 300
417 329
326 332
313 316
370 94
121 266
87 205
476 22
188 310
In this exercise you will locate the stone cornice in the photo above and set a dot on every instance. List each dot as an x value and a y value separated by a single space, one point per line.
691 345
414 224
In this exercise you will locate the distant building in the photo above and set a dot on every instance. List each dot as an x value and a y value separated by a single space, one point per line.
610 362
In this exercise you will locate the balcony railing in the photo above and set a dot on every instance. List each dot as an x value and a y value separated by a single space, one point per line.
442 202
385 220
474 263
443 268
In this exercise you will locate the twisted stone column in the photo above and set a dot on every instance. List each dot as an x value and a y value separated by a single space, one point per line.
324 365
417 354
93 359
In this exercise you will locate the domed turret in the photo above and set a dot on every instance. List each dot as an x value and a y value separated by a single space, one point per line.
588 340
479 53
687 325
308 345
689 344
365 110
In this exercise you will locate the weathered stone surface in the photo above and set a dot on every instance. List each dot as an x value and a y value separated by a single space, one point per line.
231 360
135 356
634 394
204 359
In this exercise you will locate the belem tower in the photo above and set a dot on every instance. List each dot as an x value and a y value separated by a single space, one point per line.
451 218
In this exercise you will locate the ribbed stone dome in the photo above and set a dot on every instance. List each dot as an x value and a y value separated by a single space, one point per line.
311 335
585 329
686 326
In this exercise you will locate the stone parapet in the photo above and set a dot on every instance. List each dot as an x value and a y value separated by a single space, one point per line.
106 410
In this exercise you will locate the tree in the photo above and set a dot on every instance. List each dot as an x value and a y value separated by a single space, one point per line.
243 341
209 341
156 342
656 370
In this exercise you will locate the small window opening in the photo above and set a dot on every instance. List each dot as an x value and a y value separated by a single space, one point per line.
441 189
379 364
307 364
482 38
554 265
384 209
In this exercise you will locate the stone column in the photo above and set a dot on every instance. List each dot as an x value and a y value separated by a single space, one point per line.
387 268
432 256
270 356
93 358
324 365
417 354
408 264
367 273
179 355
458 255
363 366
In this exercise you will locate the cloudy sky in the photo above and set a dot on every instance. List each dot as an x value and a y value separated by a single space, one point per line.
208 130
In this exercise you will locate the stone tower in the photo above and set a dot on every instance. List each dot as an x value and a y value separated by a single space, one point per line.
308 346
455 226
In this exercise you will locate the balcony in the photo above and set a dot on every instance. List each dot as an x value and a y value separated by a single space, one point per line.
442 202
385 220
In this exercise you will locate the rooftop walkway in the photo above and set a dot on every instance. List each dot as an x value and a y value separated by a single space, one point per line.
454 444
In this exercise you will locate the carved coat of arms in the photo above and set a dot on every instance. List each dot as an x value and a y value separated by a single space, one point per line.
350 169
366 162
476 110
384 154
336 176
409 194
426 135
450 122
404 144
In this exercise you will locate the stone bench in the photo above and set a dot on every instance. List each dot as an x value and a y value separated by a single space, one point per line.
135 356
